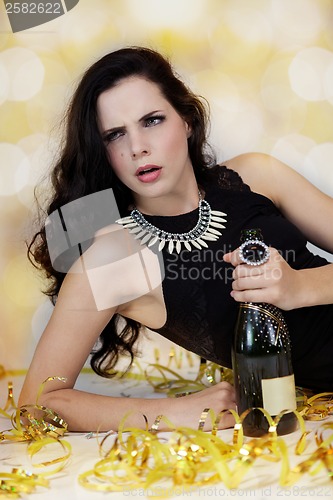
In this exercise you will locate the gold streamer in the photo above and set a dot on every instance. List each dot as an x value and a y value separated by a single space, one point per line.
20 481
191 458
39 432
145 458
174 385
10 403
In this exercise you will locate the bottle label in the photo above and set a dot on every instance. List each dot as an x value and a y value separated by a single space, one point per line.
278 394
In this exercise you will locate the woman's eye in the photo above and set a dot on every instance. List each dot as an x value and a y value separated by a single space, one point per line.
154 120
112 136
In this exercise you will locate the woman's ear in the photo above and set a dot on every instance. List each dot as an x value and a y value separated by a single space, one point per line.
188 130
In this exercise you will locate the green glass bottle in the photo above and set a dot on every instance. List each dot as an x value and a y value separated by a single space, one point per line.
261 355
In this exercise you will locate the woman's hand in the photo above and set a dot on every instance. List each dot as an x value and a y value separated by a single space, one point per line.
274 282
186 410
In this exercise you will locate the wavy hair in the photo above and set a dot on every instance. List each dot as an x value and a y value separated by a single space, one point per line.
83 168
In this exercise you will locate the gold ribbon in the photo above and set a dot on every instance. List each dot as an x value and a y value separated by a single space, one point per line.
192 458
39 432
20 481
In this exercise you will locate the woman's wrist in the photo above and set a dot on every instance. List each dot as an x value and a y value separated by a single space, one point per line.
314 287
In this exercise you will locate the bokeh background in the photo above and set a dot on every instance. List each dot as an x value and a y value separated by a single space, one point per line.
266 67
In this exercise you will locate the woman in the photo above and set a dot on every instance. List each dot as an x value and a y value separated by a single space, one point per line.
134 127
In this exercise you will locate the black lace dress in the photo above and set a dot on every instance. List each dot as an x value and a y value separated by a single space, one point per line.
201 314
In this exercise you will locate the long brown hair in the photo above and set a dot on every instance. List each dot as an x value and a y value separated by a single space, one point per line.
83 167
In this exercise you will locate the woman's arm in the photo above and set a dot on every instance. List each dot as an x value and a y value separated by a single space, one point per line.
62 351
277 283
66 343
298 200
311 211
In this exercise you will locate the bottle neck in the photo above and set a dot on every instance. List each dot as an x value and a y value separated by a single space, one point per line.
251 234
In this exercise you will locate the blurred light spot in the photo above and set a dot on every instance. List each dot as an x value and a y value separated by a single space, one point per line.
228 50
5 31
46 109
35 148
307 73
218 87
156 14
17 282
275 87
292 150
285 111
14 171
328 83
252 25
4 83
26 73
84 24
318 167
276 97
238 132
55 70
296 21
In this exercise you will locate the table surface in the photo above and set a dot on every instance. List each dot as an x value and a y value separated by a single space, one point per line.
261 481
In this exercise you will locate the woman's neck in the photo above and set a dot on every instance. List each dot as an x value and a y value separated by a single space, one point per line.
176 203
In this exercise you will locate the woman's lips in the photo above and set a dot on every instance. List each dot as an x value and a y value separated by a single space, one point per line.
148 173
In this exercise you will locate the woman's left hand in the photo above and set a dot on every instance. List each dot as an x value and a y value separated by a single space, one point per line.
274 282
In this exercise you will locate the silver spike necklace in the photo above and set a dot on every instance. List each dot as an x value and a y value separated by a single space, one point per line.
206 229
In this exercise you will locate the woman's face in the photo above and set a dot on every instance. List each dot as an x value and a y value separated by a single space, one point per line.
145 137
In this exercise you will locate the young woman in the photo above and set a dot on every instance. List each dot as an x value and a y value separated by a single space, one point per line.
133 126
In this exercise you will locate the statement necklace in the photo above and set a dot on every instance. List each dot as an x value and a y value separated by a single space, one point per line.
203 231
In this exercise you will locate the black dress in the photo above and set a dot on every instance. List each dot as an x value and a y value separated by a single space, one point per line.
201 314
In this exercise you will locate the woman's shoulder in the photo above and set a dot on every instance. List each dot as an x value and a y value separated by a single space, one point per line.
223 176
257 171
249 164
246 172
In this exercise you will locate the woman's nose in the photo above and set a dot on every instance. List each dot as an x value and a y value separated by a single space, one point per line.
144 152
139 146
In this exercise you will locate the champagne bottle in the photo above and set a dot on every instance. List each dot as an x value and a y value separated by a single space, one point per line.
261 355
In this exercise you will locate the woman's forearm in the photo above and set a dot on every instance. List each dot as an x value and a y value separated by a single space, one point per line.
86 412
314 286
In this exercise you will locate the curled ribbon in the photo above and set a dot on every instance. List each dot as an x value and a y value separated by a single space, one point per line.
20 481
145 458
39 432
174 385
193 458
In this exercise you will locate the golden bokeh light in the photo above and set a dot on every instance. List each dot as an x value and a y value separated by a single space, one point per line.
318 166
298 23
35 149
250 24
44 111
15 169
17 280
158 14
328 82
292 149
308 74
25 71
4 83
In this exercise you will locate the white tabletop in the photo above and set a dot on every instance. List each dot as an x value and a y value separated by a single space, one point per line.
261 481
